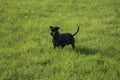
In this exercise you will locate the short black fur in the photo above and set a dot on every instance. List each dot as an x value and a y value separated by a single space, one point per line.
61 40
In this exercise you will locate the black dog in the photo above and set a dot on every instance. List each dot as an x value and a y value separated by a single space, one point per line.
62 39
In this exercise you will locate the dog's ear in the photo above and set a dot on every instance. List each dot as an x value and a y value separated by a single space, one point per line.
51 27
57 28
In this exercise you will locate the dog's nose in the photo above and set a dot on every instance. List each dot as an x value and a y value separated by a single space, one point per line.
50 33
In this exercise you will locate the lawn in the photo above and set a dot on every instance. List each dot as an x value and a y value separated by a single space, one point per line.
26 50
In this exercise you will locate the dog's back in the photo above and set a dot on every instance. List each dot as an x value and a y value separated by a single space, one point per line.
66 38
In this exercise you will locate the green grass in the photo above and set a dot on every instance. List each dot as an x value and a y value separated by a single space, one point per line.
26 51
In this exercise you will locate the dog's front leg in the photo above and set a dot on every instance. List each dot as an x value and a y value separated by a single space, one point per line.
54 45
62 46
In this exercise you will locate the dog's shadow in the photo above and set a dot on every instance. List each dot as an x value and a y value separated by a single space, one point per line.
85 50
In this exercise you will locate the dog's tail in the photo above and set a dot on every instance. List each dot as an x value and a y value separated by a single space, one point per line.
76 32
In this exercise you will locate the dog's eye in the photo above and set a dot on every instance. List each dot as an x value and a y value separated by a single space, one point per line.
52 30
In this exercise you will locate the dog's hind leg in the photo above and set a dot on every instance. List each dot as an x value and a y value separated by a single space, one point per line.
73 45
54 47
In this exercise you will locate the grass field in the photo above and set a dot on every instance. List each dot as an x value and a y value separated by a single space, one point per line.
26 51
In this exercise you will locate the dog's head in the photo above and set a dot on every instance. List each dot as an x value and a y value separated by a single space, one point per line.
54 30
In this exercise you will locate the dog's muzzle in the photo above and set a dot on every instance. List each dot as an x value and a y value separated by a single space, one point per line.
53 33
